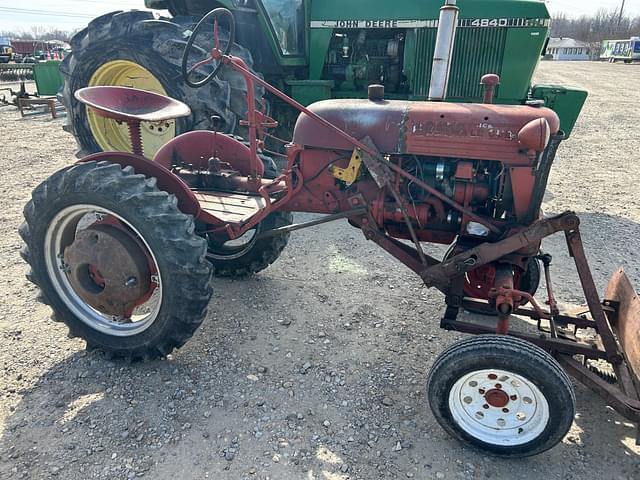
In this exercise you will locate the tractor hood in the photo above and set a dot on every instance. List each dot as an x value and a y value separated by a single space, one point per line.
459 130
356 13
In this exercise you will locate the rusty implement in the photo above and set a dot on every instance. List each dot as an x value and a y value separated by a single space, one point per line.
16 72
615 320
10 75
621 295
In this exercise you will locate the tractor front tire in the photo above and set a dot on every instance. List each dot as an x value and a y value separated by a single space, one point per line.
90 199
135 49
504 396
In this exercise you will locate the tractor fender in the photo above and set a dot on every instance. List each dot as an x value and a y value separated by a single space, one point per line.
166 180
197 147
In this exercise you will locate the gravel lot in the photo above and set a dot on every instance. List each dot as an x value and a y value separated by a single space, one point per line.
315 368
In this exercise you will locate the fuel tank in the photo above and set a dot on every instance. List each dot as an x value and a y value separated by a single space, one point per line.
440 129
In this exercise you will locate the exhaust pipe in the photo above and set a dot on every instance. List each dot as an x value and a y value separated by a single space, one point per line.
443 52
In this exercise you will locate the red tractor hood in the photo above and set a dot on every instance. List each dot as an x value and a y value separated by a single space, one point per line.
457 130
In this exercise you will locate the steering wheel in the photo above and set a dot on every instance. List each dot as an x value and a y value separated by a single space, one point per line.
216 53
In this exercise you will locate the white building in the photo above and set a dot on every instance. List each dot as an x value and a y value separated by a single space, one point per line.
565 48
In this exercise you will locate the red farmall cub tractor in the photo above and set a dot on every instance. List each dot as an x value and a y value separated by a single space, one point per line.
123 247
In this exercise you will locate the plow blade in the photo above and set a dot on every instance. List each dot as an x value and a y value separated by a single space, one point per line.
626 323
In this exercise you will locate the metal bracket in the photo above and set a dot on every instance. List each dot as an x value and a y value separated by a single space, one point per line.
350 174
440 275
378 168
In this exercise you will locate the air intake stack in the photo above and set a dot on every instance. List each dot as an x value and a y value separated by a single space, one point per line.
443 51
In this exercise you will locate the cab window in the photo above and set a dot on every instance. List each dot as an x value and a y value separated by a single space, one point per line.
287 19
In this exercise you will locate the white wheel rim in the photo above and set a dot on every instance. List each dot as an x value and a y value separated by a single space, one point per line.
71 219
477 405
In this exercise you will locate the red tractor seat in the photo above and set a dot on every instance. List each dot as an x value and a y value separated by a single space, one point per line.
131 104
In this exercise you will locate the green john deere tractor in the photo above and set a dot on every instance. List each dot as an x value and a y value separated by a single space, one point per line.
312 50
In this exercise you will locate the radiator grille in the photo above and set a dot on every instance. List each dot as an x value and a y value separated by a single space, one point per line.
477 51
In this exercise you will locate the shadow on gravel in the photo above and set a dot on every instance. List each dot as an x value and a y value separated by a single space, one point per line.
234 392
610 242
162 419
89 410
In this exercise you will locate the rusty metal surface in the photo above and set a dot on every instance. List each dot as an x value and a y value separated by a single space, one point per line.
627 327
403 252
131 104
551 299
626 406
460 130
108 269
522 185
230 207
378 169
576 250
440 275
505 297
197 147
356 212
544 341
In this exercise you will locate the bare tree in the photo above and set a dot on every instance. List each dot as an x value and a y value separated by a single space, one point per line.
39 32
603 25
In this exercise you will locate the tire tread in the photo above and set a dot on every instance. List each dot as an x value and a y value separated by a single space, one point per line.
500 345
172 228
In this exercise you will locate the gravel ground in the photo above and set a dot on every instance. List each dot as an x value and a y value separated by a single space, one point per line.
313 369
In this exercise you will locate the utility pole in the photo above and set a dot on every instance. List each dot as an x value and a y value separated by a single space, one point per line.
621 11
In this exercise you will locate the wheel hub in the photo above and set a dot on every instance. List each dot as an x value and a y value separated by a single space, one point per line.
108 269
497 398
498 407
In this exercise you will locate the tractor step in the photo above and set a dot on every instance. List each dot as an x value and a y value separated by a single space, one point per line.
230 207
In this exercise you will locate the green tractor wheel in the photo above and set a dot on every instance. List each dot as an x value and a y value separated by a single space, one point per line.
135 49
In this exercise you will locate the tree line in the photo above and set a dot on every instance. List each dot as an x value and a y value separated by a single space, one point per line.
40 33
603 25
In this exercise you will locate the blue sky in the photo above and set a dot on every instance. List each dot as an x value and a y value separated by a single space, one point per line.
70 14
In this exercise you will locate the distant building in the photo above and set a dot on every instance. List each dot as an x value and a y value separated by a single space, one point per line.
30 47
565 48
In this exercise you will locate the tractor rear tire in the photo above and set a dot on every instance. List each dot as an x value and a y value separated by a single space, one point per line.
119 46
255 255
64 206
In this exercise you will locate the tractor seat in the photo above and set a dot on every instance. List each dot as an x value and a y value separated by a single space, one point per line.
131 104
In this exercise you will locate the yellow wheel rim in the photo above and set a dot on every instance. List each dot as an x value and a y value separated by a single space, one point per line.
113 136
